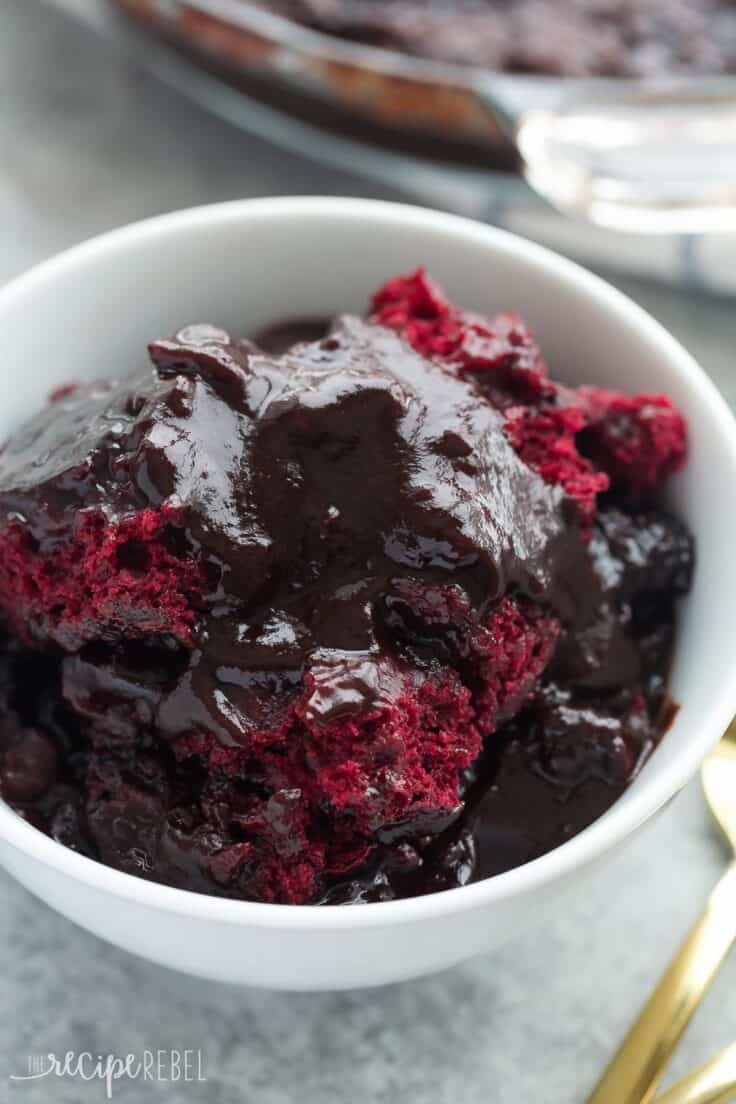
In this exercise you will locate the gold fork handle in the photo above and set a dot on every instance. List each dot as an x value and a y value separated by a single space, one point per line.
637 1068
713 1083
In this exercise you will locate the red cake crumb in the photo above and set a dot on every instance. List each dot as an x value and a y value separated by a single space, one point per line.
502 660
397 763
123 577
510 654
370 773
638 440
367 772
630 442
545 440
501 349
503 356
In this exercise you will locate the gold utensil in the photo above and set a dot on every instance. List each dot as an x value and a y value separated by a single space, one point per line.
713 1083
637 1068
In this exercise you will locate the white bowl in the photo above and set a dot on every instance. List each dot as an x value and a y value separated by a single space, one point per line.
90 311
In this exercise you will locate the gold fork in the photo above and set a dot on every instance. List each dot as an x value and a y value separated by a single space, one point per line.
713 1083
638 1066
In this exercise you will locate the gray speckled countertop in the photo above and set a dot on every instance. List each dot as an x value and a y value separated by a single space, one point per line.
87 143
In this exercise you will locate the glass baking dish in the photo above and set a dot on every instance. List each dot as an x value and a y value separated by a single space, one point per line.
646 156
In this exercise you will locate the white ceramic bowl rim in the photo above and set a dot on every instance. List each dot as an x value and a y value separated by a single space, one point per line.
655 787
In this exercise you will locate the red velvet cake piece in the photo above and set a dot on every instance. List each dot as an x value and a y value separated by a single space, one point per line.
89 549
509 655
501 350
371 749
631 442
638 440
127 577
292 614
545 438
505 360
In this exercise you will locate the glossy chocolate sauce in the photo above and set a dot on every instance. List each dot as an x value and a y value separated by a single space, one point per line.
324 539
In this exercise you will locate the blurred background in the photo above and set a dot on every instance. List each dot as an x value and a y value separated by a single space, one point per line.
102 122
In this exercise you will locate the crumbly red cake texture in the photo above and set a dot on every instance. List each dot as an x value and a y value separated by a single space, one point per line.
631 443
638 440
388 767
107 580
320 756
510 654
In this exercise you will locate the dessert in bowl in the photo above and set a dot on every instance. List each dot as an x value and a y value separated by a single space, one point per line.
572 38
404 572
380 614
